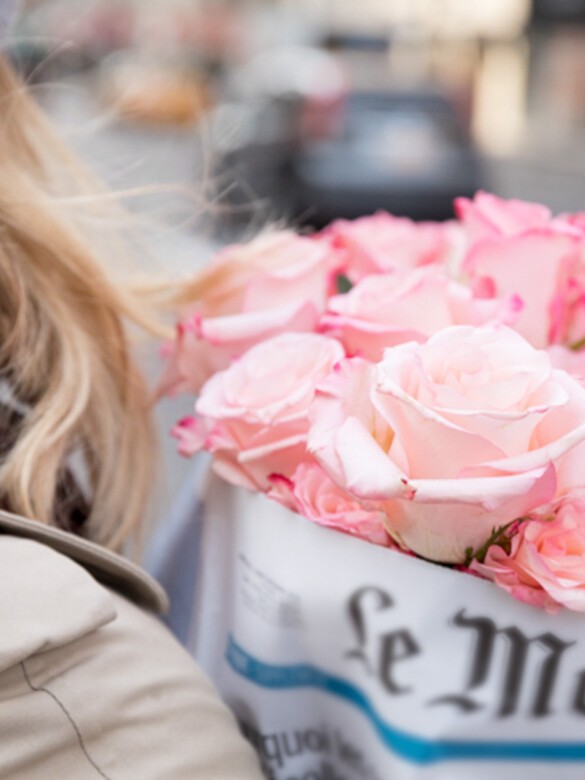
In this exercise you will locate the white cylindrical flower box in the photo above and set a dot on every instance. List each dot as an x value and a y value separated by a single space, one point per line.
348 661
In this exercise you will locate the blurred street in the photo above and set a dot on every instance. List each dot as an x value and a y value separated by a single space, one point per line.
185 225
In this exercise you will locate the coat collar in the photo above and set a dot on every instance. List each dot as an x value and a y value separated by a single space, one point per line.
107 567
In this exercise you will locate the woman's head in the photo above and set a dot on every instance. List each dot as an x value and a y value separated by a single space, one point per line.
64 352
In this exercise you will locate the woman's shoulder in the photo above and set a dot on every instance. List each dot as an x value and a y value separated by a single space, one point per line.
47 600
57 588
105 566
93 685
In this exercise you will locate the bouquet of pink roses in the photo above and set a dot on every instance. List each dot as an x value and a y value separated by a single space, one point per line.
415 385
419 388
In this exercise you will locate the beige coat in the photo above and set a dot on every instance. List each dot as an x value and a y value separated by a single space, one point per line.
91 684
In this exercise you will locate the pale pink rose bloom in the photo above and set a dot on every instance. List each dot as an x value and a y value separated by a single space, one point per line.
546 564
278 283
453 437
517 248
534 265
254 414
383 242
571 223
488 215
191 435
205 346
274 269
384 310
568 310
568 360
319 499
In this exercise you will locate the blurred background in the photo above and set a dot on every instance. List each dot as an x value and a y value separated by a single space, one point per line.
307 110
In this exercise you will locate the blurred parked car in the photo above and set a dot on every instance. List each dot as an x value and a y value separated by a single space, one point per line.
406 152
546 12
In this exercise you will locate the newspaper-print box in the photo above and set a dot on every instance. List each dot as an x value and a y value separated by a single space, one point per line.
346 661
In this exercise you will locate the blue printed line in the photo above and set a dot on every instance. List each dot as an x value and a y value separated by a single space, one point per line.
409 747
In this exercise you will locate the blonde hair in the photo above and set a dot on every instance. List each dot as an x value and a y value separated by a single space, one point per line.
64 351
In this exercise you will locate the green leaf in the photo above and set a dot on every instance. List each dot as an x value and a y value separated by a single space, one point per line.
577 346
497 537
344 284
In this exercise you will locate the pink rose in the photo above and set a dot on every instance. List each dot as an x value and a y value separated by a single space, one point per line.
516 248
385 310
568 311
191 434
275 284
546 564
511 265
205 346
453 437
487 215
383 243
276 268
319 499
576 220
253 415
568 360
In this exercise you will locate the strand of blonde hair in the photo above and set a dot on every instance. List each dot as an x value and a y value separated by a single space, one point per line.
63 346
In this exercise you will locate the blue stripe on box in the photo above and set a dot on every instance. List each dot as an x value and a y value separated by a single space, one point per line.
409 747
